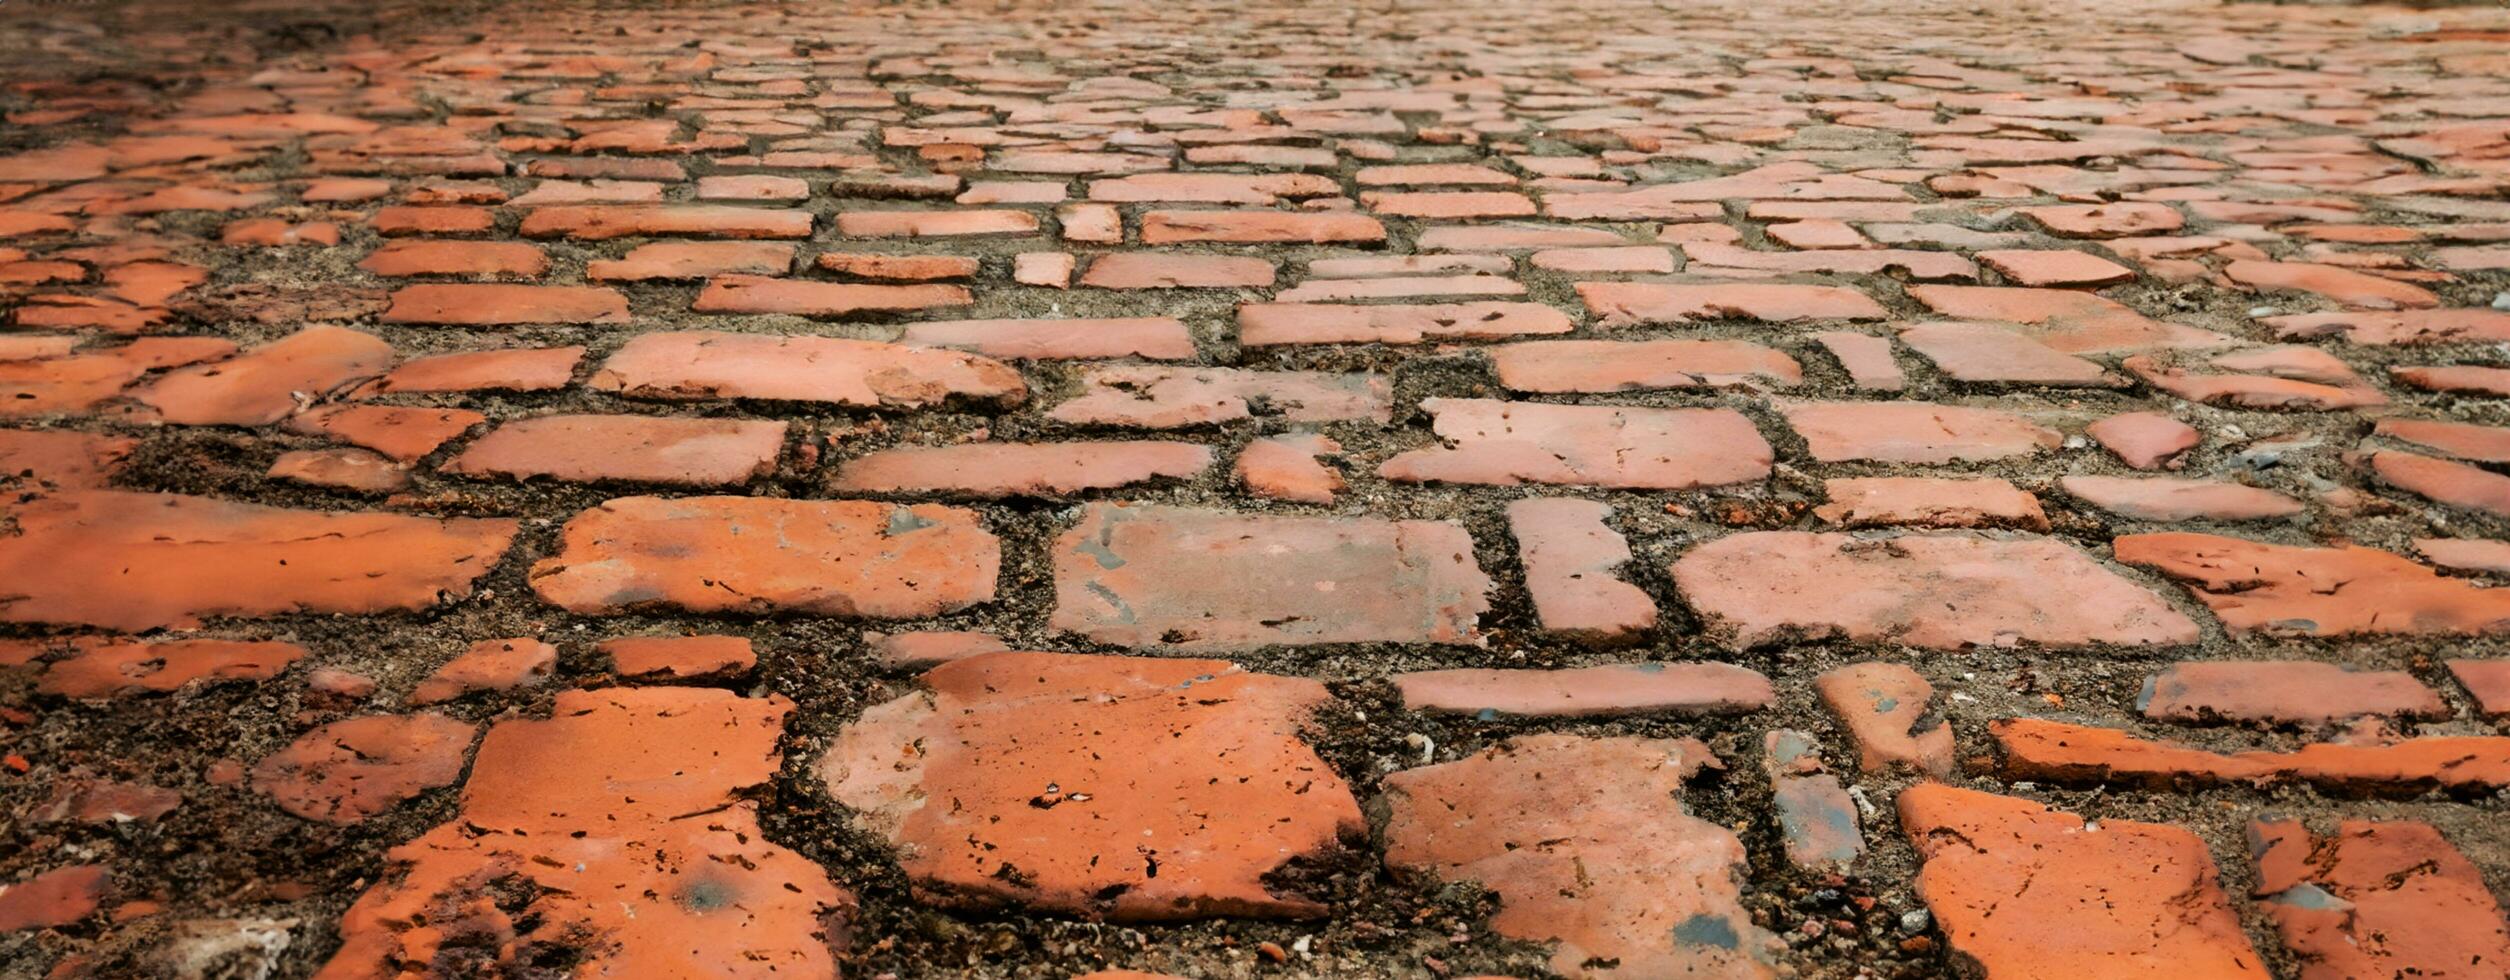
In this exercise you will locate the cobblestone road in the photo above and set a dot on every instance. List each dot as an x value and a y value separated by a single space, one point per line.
1895 489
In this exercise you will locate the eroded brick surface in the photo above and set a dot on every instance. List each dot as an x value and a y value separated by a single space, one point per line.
1630 448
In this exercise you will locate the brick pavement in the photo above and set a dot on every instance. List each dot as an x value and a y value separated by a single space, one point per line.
1227 490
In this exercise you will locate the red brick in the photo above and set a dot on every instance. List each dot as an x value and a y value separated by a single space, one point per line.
598 222
60 458
2137 899
260 386
929 648
2337 591
675 658
1267 324
488 665
488 305
934 224
1919 501
710 452
355 769
1589 848
445 220
1179 397
1616 689
2145 440
2481 443
100 669
1623 304
759 555
1888 710
2445 482
996 470
2408 327
2359 290
1153 270
2283 692
1913 432
1449 204
2162 498
414 257
2106 220
2064 267
514 369
2376 898
1570 555
1211 188
104 802
2078 754
355 470
900 268
1129 789
1502 443
1151 576
143 561
1150 338
698 365
1940 591
589 816
1866 358
800 297
401 432
1287 468
1254 227
2487 681
693 260
1993 353
1566 366
2067 320
51 899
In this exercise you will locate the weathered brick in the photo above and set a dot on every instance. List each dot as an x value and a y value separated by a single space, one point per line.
1502 443
1151 576
847 558
631 448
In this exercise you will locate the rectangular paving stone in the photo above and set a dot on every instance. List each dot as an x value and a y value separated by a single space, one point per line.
633 448
1504 443
2283 691
697 365
993 470
1145 397
1940 591
1154 576
1624 304
1268 324
136 561
764 556
1570 557
1581 692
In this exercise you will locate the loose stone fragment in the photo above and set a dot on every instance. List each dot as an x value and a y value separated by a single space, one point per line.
1942 591
352 770
1150 576
1287 468
489 665
1588 847
1125 788
761 555
1816 816
104 802
1888 709
2145 440
55 898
